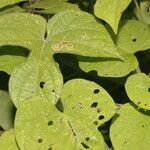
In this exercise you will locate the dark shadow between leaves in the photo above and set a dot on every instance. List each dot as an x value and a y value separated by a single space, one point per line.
141 110
14 50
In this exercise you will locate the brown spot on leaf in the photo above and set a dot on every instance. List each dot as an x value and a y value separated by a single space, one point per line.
61 44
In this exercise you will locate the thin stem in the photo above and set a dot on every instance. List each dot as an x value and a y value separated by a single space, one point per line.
138 70
138 9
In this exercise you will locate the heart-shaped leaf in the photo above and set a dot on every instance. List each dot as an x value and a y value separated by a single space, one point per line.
130 129
138 90
133 36
111 11
7 141
40 124
53 6
6 111
67 32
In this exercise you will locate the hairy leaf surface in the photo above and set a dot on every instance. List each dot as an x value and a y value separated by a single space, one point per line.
130 129
75 127
111 11
138 90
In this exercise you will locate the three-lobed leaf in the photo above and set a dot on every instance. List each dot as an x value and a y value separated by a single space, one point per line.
39 74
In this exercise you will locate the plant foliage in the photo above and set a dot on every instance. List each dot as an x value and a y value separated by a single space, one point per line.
74 74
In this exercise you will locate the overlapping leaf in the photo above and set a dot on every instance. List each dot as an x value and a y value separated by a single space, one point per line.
138 90
130 129
110 67
7 141
53 6
85 107
40 73
134 36
4 3
11 57
111 11
6 111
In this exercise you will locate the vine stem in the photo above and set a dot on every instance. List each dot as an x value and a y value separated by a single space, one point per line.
138 10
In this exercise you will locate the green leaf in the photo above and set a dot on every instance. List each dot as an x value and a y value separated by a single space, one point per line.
111 11
130 129
44 125
40 124
4 3
53 6
10 58
87 96
143 13
138 90
6 111
133 36
79 33
10 9
7 141
106 67
66 33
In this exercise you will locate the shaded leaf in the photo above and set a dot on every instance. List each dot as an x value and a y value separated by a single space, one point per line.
111 11
133 36
130 130
106 67
6 111
53 6
138 90
11 57
7 141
